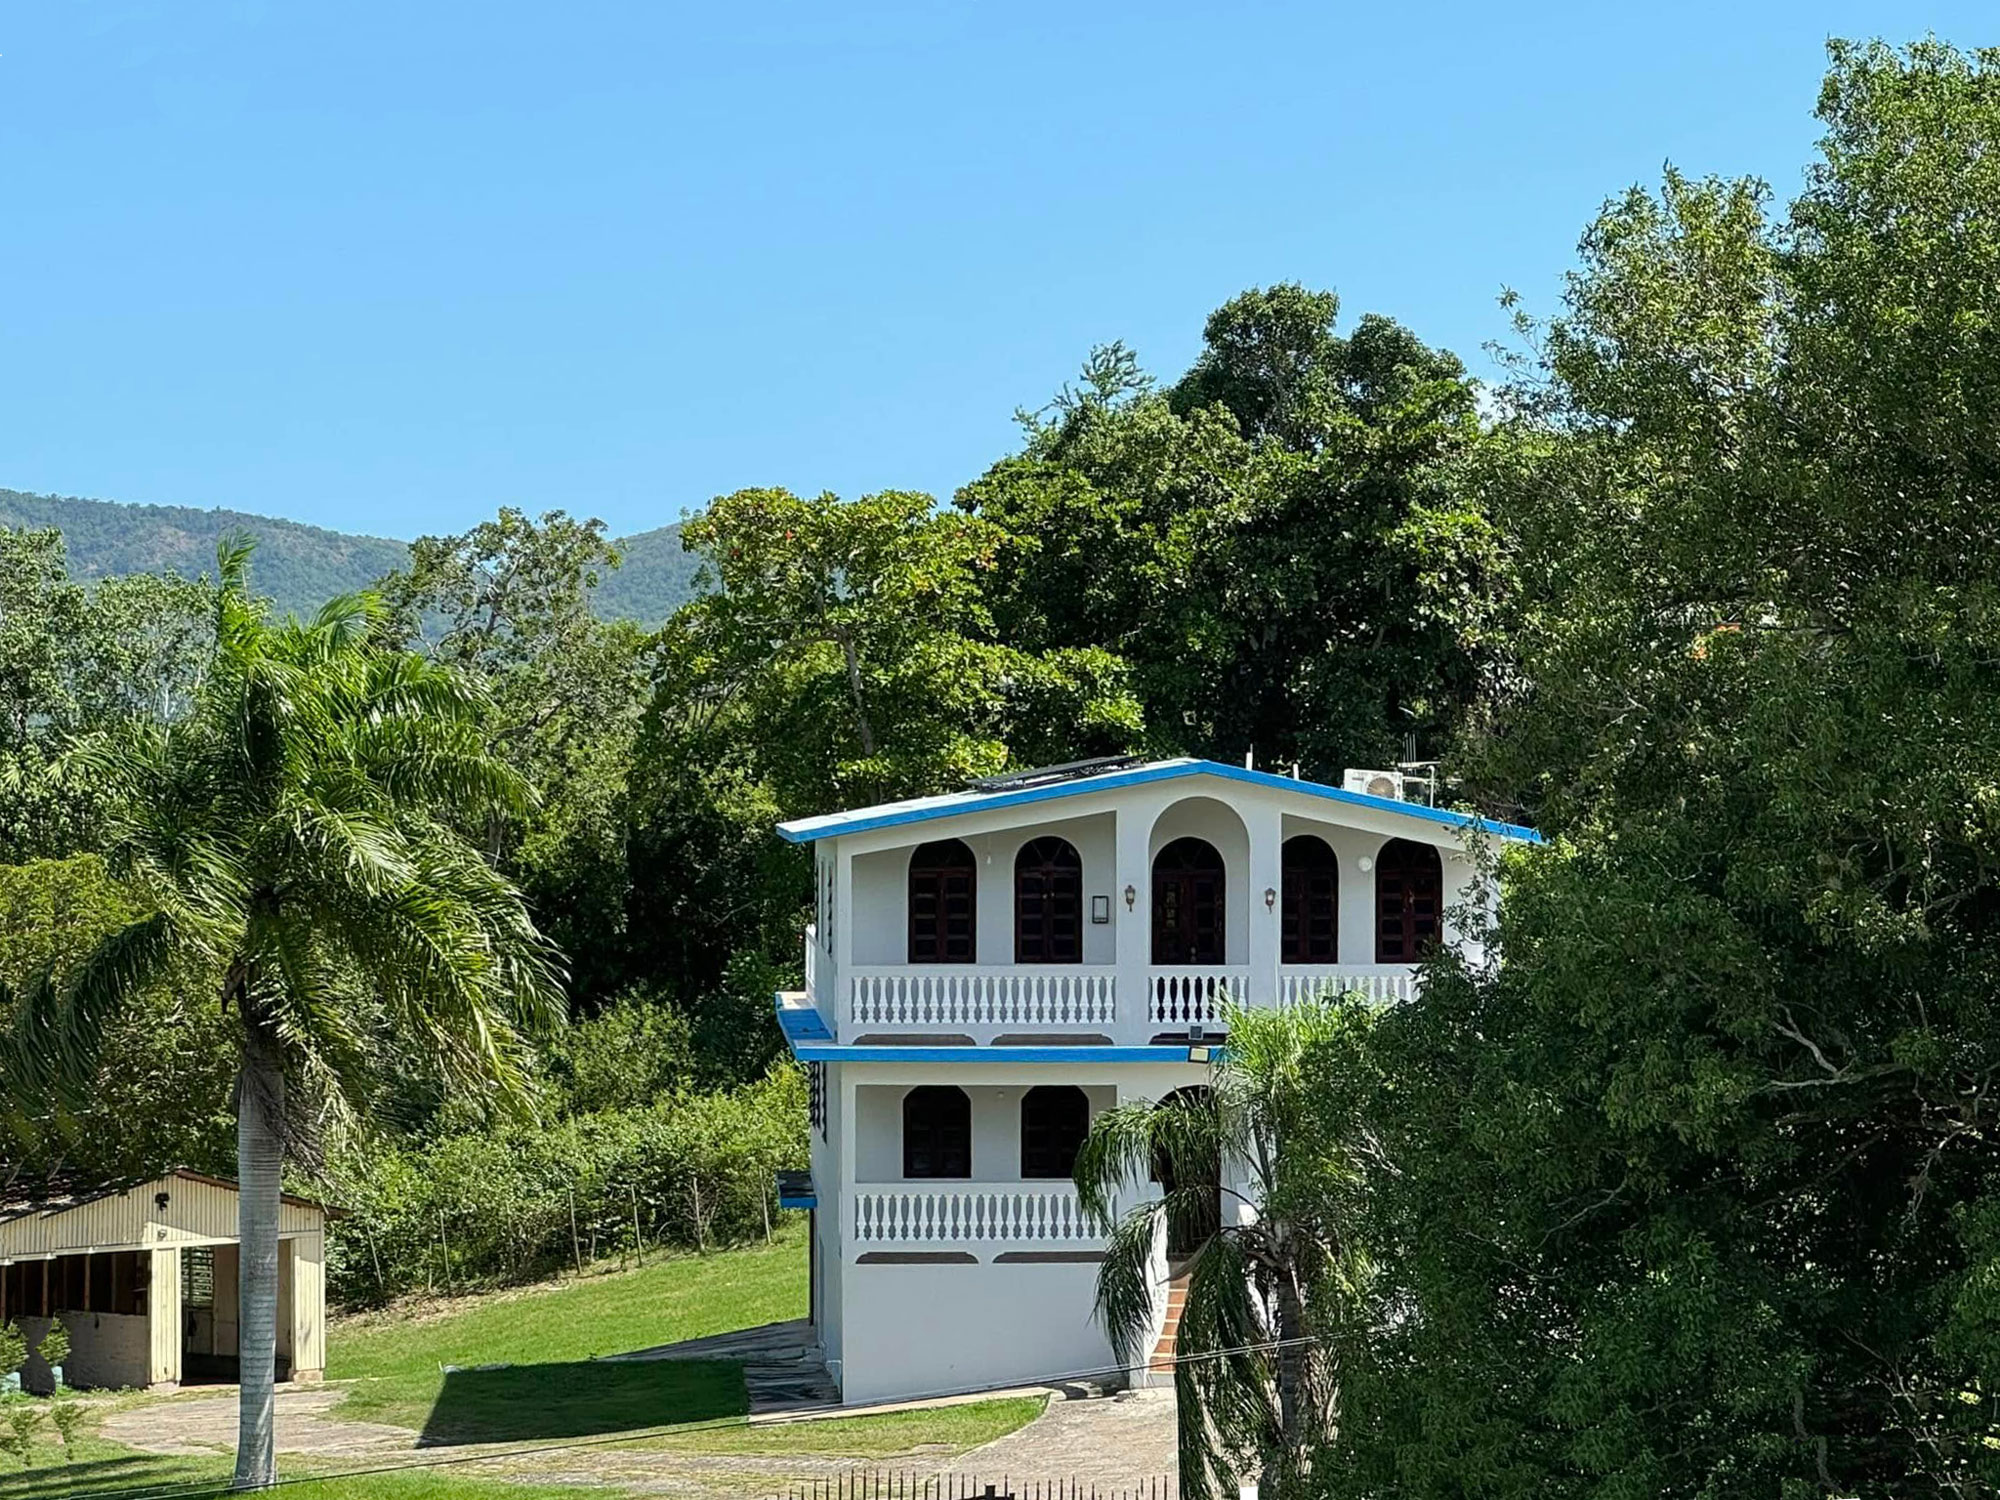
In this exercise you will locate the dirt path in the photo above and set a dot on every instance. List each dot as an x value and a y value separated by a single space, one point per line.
1112 1440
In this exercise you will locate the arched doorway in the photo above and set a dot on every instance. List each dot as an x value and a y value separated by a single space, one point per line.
1188 892
1409 902
1048 903
1054 1120
944 880
1310 930
1201 1215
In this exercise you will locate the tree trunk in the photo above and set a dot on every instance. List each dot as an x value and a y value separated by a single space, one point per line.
260 1106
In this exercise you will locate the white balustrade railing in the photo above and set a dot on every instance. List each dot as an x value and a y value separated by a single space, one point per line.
1388 984
1052 998
1181 997
971 1214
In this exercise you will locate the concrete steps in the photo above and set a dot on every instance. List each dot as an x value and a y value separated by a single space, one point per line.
782 1367
1162 1360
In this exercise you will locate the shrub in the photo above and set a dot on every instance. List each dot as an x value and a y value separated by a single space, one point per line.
13 1350
485 1206
53 1346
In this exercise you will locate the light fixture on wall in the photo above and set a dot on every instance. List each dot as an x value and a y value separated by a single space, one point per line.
1364 864
1270 898
1131 896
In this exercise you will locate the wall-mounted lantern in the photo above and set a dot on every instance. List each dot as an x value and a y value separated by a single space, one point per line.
1131 896
1270 898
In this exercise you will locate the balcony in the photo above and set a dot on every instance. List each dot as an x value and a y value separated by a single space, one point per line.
983 1003
1000 1215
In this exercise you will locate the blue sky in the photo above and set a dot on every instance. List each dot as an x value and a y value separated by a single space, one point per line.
388 267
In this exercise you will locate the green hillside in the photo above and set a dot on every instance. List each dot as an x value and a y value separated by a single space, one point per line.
301 566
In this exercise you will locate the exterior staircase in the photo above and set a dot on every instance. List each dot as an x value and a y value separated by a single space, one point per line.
1161 1365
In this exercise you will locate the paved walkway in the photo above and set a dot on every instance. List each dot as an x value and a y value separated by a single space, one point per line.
1108 1441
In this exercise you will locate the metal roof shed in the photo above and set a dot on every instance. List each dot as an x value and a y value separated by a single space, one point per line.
144 1278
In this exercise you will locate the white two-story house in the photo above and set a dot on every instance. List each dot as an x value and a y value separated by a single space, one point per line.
990 968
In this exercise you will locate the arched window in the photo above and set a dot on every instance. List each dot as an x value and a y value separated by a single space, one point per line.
937 1132
1054 1121
943 883
1409 902
1187 904
1048 903
1310 930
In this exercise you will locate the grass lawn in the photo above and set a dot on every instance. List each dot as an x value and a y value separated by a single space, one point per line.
98 1467
954 1427
548 1335
549 1389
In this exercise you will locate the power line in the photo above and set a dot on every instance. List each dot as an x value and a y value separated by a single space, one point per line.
188 1489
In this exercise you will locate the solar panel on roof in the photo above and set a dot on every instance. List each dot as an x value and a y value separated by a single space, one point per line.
1069 770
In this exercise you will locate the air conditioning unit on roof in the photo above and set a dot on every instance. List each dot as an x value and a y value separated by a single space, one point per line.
1374 783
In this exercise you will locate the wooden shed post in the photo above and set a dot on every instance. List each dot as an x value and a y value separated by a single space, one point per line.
163 1318
307 1255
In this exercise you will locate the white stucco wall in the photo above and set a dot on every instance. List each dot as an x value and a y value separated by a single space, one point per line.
933 1329
881 886
996 1125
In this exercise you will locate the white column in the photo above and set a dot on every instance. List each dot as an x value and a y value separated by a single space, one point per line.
1266 825
308 1306
163 1317
1134 827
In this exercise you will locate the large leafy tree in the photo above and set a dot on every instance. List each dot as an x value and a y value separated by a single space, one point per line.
1290 544
76 659
844 653
301 835
1699 1194
509 602
1256 1380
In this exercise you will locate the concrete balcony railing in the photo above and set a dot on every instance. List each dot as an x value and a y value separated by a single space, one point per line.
1388 984
983 1002
1180 997
951 1215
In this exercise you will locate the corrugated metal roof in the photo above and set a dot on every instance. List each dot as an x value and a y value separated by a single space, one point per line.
62 1192
951 804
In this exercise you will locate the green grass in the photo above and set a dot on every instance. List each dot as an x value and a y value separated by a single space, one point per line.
951 1427
548 1336
101 1468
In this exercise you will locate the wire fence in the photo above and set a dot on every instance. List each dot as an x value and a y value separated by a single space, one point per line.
908 1484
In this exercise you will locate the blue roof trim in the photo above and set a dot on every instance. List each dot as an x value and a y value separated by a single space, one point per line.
801 1023
839 1054
892 815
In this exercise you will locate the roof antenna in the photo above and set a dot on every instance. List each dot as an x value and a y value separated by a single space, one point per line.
1250 759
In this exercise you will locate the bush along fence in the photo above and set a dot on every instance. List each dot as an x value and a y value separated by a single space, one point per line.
468 1209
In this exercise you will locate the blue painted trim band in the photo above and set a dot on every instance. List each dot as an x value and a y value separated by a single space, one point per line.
784 1202
801 1023
838 1054
893 815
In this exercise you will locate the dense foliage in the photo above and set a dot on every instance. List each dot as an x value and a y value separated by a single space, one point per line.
1698 1194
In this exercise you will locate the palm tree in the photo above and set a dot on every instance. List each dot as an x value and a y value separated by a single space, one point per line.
301 834
1255 1374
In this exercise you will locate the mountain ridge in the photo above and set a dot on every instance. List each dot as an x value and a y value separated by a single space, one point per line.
300 566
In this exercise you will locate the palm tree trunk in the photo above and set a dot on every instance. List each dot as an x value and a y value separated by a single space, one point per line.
260 1104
